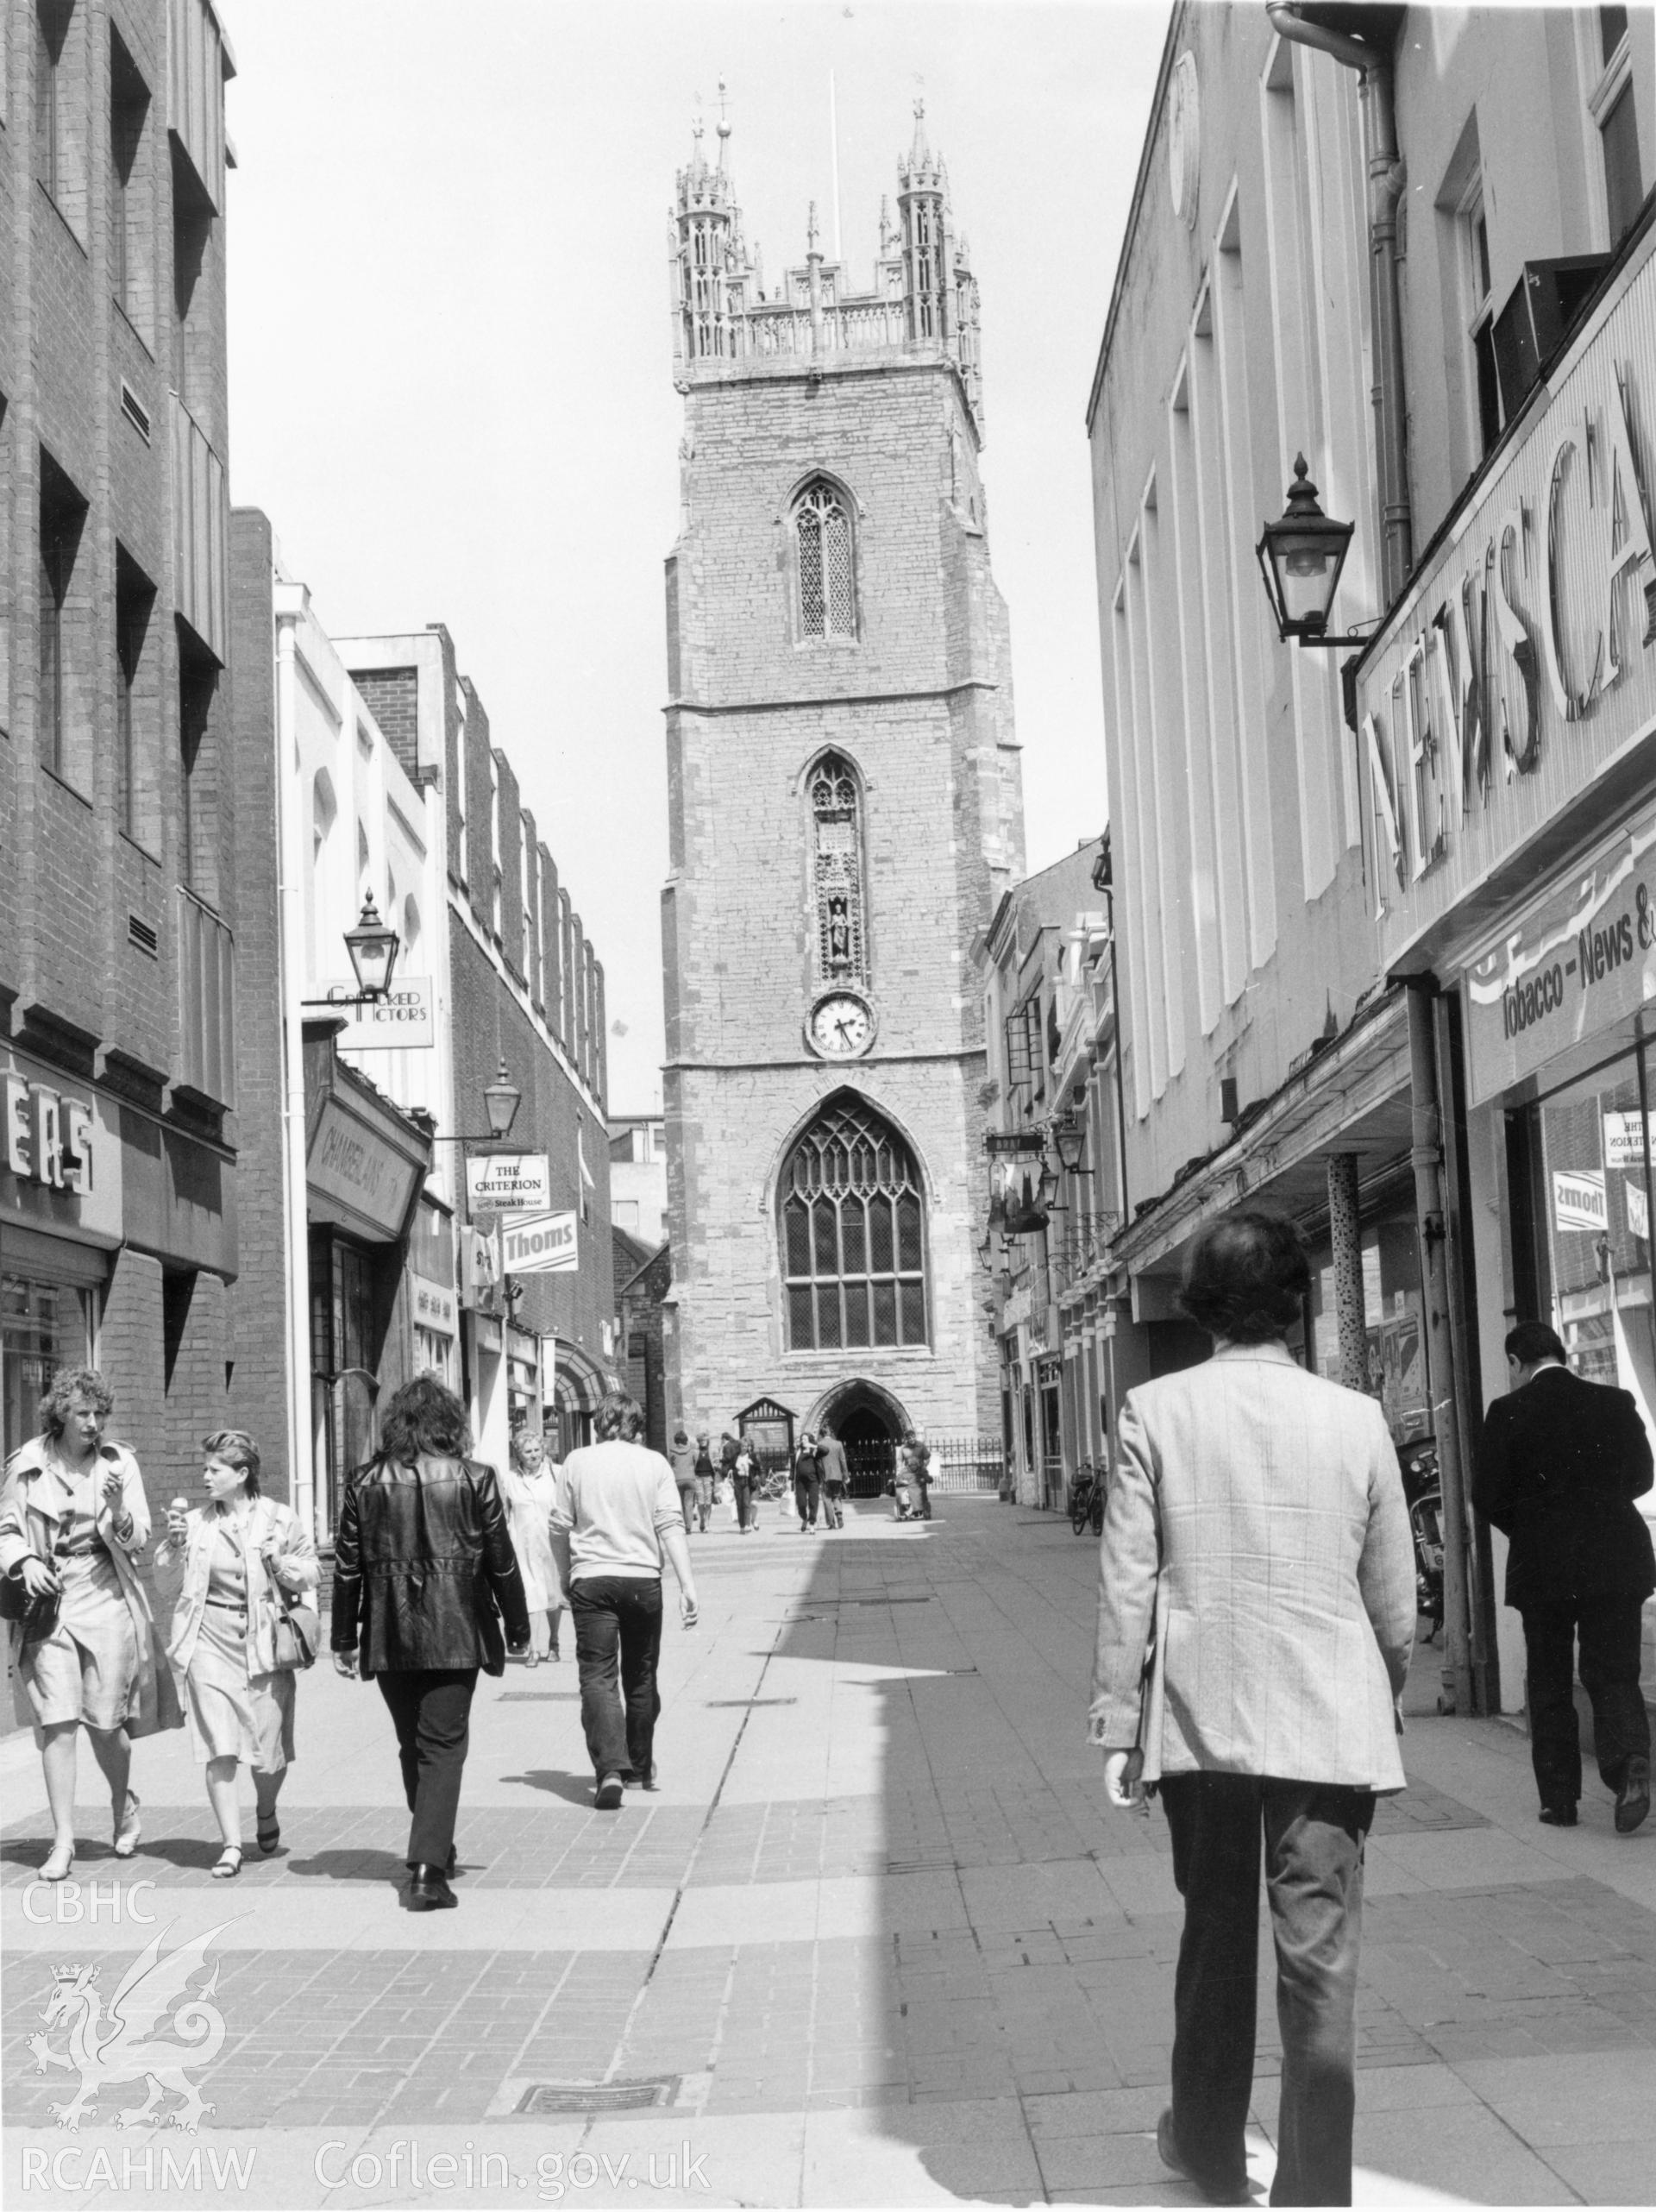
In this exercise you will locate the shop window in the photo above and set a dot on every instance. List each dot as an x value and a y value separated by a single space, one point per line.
1393 1324
853 1233
44 1326
1595 1188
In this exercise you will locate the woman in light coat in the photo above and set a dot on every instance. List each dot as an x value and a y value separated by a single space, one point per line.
73 1518
240 1555
530 1489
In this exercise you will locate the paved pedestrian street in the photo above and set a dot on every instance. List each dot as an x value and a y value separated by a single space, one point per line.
878 1939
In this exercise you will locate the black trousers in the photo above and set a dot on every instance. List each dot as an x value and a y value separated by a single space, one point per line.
1312 1835
1608 1628
432 1711
741 1491
618 1635
806 1490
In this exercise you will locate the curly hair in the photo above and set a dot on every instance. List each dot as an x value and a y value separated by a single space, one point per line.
235 1449
67 1384
423 1416
521 1439
617 1416
1246 1277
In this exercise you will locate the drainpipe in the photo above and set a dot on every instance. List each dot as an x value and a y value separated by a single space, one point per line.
290 903
1426 1157
1385 188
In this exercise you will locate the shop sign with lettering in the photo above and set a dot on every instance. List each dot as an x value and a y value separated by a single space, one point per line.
539 1244
1624 1143
403 1022
436 1304
61 1161
1523 661
358 1171
1582 957
509 1182
1579 1201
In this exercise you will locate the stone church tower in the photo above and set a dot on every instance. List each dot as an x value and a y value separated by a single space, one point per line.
845 813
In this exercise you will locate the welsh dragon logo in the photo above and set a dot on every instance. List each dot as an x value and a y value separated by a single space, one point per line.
107 2049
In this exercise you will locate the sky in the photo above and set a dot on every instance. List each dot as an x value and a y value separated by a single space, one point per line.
450 351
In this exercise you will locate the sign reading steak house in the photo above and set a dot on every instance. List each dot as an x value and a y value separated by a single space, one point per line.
1522 661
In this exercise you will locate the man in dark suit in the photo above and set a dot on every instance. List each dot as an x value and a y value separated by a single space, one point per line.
1560 1465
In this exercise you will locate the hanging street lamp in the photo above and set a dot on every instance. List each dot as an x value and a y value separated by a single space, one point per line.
373 946
1301 556
501 1100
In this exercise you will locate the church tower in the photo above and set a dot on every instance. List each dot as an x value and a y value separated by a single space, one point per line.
845 813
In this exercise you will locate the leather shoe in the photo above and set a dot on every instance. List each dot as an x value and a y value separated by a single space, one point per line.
1557 1816
428 1891
453 1867
1216 2191
1633 1799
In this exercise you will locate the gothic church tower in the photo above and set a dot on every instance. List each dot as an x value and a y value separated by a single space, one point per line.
845 813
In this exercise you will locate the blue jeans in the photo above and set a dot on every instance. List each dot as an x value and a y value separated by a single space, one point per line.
1313 1835
619 1632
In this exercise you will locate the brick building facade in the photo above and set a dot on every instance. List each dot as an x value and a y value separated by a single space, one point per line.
118 971
845 810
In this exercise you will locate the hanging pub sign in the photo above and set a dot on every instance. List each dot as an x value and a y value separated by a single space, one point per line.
1578 958
539 1244
509 1182
401 1022
1521 664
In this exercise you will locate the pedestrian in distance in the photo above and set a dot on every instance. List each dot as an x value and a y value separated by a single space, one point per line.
529 1486
422 1558
706 1481
836 1474
616 1518
73 1518
919 1472
243 1624
1560 1463
807 1482
1257 1547
682 1456
729 1452
750 1473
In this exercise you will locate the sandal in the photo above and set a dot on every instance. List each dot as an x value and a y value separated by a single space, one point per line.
62 1857
267 1835
229 1863
127 1835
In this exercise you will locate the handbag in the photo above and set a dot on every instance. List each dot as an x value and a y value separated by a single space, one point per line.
36 1617
298 1628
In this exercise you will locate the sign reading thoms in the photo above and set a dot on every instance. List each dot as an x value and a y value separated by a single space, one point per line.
539 1244
1522 661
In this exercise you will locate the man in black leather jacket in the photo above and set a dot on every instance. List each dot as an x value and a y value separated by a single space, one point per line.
1561 1462
422 1558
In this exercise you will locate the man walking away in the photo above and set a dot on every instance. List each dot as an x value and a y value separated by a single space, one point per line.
1257 1544
682 1457
422 1557
1561 1464
616 1515
836 1474
807 1482
707 1476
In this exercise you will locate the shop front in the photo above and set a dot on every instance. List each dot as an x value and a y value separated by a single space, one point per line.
1507 718
366 1163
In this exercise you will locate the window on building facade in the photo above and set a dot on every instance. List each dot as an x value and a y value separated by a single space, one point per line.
1612 109
52 119
63 607
836 860
853 1234
137 800
822 526
129 210
494 845
1480 313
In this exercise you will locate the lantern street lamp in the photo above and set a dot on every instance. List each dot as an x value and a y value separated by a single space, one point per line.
1069 1135
1301 557
373 946
501 1100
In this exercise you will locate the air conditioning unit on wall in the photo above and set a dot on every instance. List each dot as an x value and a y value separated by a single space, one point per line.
1536 319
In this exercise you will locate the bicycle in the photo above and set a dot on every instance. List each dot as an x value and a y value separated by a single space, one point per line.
1086 1500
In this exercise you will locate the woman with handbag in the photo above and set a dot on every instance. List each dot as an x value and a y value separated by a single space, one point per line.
242 1626
72 1519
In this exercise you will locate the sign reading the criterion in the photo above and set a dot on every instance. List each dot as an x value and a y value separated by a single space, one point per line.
509 1182
400 1022
539 1244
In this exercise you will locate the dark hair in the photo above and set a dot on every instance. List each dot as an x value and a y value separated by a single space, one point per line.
67 1384
617 1416
1245 1276
1533 1340
237 1449
679 1437
423 1416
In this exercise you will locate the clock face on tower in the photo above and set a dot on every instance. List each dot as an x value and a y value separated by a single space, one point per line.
841 1027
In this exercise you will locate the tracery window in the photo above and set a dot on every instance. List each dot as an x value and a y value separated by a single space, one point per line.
837 863
822 525
853 1233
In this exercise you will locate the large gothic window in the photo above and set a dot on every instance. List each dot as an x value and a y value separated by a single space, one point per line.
822 528
836 866
853 1233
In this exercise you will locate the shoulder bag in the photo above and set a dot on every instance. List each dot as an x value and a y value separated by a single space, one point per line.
298 1628
36 1617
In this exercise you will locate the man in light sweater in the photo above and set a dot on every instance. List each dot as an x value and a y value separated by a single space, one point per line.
616 1516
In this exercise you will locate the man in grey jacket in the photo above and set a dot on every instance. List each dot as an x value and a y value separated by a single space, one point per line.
1256 1614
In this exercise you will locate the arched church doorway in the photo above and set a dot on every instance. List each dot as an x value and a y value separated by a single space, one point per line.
869 1422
